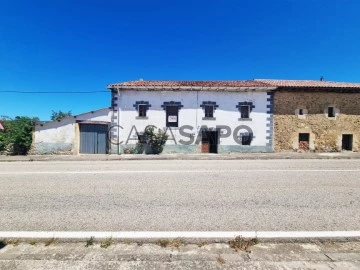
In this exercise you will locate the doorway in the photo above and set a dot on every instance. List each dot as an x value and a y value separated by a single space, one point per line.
347 141
304 141
209 141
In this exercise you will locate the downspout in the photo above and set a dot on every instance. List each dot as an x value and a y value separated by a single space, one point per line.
118 122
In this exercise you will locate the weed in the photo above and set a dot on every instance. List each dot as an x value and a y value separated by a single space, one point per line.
89 242
202 243
32 242
220 259
50 242
240 243
14 242
163 242
177 242
106 243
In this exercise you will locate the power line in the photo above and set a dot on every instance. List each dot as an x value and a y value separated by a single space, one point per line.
55 92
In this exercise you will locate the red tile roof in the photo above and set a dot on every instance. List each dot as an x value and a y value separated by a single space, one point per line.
308 83
140 83
265 83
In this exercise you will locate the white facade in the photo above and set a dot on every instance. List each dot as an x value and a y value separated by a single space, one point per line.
126 121
62 136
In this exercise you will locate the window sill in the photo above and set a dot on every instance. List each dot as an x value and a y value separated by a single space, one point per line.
209 118
245 119
141 117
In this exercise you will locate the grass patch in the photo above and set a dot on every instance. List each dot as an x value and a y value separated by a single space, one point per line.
175 243
90 242
202 243
106 243
32 242
163 242
14 242
49 242
241 244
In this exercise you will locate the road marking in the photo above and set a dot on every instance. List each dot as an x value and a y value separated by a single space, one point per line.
171 171
178 234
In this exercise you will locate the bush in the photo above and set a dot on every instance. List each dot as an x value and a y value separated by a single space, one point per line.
17 138
155 141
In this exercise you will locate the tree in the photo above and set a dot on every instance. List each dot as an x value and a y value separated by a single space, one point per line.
17 138
59 115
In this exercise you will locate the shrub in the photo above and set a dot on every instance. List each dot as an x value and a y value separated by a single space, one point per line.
155 141
17 138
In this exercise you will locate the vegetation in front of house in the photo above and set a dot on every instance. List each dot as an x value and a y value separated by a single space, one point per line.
155 141
17 138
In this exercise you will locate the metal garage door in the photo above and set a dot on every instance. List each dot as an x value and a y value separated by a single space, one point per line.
93 139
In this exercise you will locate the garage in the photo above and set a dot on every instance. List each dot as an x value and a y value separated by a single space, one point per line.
93 138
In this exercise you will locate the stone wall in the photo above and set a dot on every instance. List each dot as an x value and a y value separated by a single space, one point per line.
325 133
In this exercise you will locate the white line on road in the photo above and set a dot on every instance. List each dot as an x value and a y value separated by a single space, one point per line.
179 234
169 171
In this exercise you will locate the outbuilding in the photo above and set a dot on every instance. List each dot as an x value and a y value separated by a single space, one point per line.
85 133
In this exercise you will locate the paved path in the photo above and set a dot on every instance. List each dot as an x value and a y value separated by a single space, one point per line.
327 255
173 195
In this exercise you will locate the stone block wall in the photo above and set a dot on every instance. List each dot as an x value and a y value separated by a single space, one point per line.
325 132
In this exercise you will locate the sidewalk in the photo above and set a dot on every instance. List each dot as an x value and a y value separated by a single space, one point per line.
232 156
312 255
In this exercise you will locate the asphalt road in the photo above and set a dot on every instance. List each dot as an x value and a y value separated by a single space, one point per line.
184 195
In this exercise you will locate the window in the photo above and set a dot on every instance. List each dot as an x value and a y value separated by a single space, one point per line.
301 112
244 111
246 138
142 110
172 116
209 111
142 107
331 112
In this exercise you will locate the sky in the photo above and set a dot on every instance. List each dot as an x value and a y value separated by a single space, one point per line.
75 46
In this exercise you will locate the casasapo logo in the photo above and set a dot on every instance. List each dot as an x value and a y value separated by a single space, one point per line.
189 135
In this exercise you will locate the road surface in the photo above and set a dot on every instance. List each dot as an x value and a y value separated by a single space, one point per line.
184 195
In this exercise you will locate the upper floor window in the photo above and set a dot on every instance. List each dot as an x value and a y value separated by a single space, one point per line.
245 109
301 113
142 110
142 107
172 113
209 109
331 112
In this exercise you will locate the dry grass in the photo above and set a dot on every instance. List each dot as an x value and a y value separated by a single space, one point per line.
241 244
174 243
106 243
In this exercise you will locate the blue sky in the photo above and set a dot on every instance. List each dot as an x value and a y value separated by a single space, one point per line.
85 45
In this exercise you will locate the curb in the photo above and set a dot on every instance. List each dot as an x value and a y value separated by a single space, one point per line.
65 158
188 236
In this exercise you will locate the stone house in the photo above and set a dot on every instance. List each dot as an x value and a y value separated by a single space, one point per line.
316 115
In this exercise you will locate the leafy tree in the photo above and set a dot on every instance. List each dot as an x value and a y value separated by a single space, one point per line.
17 138
59 115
